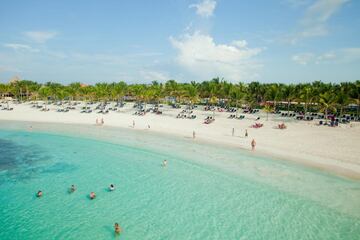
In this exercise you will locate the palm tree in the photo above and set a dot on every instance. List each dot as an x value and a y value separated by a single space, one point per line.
355 95
3 89
307 94
268 109
102 91
289 95
45 93
273 93
120 90
328 103
342 100
74 90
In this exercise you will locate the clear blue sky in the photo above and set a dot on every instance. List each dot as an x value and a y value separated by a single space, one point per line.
186 40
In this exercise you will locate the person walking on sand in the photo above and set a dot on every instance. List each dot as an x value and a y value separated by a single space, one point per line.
102 121
133 123
253 145
194 135
246 133
233 132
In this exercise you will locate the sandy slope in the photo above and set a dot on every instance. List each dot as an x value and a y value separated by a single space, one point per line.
333 149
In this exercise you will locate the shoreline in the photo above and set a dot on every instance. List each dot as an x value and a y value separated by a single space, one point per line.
324 160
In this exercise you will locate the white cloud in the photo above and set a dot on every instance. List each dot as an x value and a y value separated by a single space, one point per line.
303 58
20 47
205 8
154 75
40 37
349 54
240 43
314 22
326 57
199 54
342 56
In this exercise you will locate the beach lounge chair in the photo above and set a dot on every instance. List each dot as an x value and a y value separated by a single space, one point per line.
257 125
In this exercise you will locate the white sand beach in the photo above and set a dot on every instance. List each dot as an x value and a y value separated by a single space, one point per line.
333 149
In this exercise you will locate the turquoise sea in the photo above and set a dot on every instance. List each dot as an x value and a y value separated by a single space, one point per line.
206 191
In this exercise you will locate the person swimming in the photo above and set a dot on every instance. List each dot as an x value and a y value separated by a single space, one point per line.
39 193
112 187
117 228
72 188
164 164
92 195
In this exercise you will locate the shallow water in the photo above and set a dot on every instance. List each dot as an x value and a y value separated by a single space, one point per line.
206 192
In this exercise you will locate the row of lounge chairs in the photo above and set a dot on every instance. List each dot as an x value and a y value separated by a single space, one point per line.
283 114
231 109
7 109
155 110
233 116
87 110
302 117
209 120
175 106
140 113
62 110
190 107
344 118
251 111
186 113
181 115
331 123
103 111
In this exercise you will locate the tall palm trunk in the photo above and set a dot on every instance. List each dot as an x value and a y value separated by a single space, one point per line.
236 113
274 105
341 110
326 115
288 108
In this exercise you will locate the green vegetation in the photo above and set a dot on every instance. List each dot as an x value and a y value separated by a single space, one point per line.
316 96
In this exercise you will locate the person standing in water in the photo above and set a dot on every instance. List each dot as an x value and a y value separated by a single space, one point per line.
39 193
117 228
164 164
92 195
253 144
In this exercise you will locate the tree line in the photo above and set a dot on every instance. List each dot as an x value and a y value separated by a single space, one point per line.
332 97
